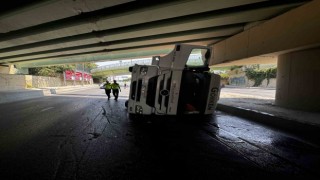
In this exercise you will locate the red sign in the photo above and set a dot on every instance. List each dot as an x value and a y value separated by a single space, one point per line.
86 77
78 76
69 75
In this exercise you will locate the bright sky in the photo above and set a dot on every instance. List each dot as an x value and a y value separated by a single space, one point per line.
116 62
106 63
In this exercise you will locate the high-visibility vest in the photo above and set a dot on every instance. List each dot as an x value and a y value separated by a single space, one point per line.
108 86
115 86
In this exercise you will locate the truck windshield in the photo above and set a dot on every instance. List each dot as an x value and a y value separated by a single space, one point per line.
198 57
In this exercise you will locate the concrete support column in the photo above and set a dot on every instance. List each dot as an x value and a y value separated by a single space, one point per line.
298 80
12 69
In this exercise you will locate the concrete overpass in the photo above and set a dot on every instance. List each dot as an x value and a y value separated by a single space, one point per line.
119 67
122 67
38 33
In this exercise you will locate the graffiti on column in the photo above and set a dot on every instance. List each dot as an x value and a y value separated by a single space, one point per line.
238 81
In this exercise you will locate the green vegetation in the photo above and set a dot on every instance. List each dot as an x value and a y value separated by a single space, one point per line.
224 76
56 71
28 85
259 75
235 67
255 72
100 76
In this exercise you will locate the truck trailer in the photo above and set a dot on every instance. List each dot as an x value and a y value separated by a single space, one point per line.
175 84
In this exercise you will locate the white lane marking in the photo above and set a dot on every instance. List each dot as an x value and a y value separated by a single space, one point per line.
46 109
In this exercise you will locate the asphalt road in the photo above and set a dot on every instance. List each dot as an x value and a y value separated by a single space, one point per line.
82 135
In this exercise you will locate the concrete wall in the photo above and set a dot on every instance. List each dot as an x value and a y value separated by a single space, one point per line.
72 83
271 84
15 82
4 69
243 81
12 82
237 77
42 81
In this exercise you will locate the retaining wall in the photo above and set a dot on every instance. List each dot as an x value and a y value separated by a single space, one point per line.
16 82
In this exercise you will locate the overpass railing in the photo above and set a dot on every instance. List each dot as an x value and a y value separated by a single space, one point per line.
127 64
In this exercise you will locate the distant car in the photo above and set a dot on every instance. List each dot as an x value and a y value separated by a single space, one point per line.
102 85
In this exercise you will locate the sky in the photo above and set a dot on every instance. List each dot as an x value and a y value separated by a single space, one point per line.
106 63
116 62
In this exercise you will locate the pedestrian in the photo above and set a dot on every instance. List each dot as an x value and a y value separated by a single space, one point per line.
108 87
115 89
125 85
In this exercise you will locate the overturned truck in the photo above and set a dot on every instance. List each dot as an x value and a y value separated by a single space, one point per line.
176 84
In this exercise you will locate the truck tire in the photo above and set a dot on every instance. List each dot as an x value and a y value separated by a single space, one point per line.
133 116
126 104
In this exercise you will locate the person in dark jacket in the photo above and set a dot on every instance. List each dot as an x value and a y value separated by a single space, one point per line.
115 89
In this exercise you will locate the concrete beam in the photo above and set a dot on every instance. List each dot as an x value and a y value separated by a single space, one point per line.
136 52
150 29
51 10
95 57
122 19
291 31
250 61
208 33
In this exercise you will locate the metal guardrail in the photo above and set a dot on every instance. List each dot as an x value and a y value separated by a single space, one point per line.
122 65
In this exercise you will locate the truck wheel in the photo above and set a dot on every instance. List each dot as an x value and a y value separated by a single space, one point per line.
132 116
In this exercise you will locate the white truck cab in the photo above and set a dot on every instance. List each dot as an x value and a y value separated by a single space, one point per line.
178 83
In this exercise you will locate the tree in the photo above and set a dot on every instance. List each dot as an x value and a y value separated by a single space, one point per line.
259 75
90 65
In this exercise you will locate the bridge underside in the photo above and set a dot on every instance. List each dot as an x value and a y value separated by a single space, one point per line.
239 32
112 72
58 32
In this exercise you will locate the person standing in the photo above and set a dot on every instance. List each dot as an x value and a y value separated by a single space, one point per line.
115 89
108 87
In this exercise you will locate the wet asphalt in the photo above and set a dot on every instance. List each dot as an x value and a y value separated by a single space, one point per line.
82 135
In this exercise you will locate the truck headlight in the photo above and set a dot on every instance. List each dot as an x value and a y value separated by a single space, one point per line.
143 89
139 109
